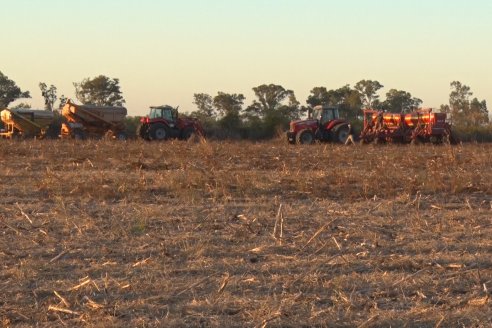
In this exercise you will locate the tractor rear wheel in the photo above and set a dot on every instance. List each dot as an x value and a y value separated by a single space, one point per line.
340 133
305 137
159 131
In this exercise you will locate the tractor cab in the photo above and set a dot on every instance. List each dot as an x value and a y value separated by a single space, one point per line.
165 112
325 114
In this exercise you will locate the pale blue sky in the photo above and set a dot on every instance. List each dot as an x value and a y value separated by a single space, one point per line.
165 51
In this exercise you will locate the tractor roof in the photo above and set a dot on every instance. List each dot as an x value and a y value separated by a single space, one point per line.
162 106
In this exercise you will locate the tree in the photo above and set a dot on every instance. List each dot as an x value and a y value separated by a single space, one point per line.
205 104
399 101
21 105
274 101
368 92
101 91
479 113
229 106
463 111
9 91
49 95
347 99
318 96
273 109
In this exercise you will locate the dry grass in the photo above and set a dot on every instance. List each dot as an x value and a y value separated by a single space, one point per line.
244 235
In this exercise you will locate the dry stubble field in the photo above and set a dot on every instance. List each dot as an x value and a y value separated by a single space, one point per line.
213 234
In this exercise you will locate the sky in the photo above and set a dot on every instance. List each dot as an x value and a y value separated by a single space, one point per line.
164 51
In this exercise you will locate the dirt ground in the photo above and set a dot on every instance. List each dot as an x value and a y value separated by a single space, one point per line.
215 234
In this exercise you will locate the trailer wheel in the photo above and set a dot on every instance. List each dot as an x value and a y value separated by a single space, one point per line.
305 137
159 131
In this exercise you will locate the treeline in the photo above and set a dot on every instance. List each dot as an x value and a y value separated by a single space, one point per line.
226 115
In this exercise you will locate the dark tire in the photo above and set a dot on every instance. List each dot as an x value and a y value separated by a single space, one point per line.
305 137
159 131
341 133
143 131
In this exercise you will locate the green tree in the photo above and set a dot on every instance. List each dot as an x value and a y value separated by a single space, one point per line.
275 101
9 91
465 112
101 91
399 101
22 105
205 104
479 113
273 109
229 106
346 98
368 92
49 95
318 96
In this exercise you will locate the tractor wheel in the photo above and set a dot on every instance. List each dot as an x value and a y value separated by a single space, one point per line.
143 131
159 131
187 133
340 133
305 137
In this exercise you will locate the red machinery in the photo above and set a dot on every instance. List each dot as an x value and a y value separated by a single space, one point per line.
326 125
420 126
163 123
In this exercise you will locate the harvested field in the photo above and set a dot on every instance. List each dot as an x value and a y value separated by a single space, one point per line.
177 234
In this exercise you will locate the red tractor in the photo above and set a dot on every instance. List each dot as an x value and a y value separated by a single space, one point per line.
163 123
325 125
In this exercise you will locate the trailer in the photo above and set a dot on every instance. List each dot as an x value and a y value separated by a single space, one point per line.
25 123
90 121
420 126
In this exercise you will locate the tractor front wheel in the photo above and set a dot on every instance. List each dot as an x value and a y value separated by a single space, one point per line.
143 131
159 131
305 137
